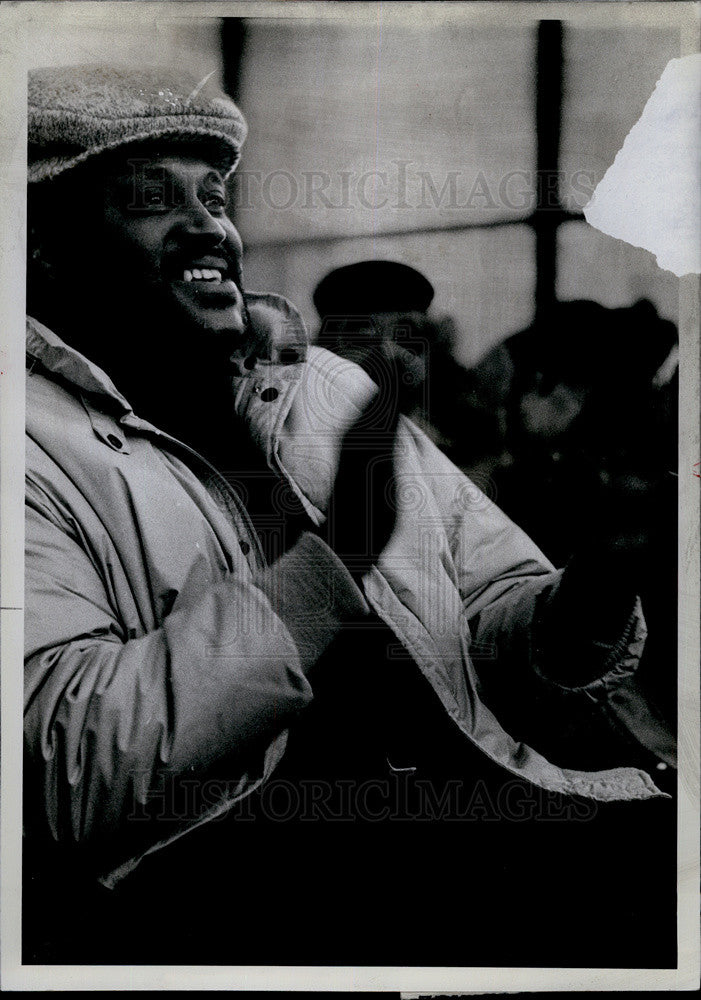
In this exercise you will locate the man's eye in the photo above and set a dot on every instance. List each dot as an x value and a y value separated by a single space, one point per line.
214 201
154 197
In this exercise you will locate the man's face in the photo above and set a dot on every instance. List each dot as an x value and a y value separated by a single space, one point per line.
164 252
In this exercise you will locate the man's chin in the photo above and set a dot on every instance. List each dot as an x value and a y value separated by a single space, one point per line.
219 320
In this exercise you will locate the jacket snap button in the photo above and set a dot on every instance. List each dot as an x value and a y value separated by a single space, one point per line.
114 441
245 547
250 363
268 395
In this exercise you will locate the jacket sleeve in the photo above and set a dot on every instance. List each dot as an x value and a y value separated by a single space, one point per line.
117 728
508 589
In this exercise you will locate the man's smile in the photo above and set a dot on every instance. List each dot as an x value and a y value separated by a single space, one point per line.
208 279
203 286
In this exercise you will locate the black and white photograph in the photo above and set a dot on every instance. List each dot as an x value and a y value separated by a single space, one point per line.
350 495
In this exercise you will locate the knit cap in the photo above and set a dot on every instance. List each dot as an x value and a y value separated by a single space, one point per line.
372 286
77 112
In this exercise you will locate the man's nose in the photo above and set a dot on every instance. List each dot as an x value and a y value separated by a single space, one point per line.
196 220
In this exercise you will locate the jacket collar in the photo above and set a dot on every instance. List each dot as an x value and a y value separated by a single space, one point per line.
301 442
279 340
53 354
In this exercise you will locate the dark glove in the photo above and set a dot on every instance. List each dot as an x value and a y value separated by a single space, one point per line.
590 614
362 507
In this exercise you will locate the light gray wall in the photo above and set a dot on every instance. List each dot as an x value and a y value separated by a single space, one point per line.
126 38
329 104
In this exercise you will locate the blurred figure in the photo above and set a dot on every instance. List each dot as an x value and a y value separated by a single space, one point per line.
571 427
374 312
591 406
375 309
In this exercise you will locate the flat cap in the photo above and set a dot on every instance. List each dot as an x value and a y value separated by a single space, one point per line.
77 112
372 286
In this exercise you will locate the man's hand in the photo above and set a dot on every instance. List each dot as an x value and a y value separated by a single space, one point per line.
362 507
596 597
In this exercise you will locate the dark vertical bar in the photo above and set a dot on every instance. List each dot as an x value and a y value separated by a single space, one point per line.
233 44
233 41
547 216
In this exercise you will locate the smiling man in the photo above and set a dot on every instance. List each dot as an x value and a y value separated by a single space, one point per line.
146 248
250 581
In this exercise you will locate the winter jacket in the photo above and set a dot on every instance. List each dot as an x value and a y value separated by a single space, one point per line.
160 647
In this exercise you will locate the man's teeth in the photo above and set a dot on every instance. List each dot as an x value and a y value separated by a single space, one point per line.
202 274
